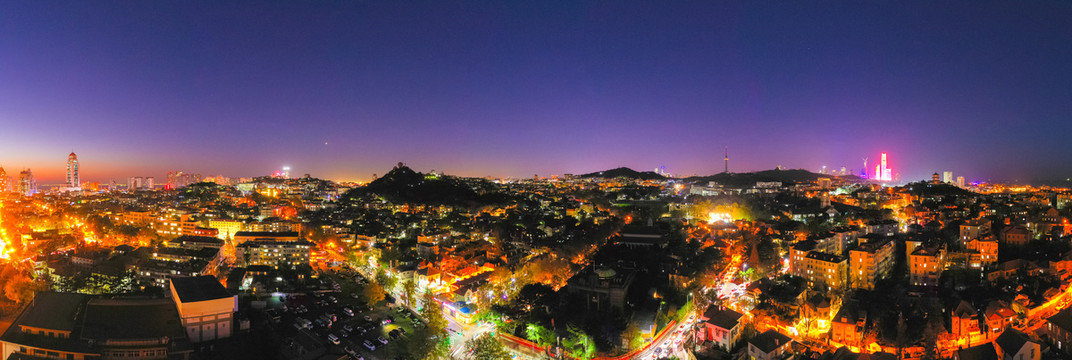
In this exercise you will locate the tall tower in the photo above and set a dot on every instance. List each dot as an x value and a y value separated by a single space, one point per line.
73 181
726 169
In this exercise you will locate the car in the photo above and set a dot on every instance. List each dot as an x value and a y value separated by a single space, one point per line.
394 334
333 339
347 311
402 330
347 327
353 353
382 340
369 345
368 318
354 296
333 300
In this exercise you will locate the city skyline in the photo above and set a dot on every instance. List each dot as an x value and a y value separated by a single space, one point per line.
344 92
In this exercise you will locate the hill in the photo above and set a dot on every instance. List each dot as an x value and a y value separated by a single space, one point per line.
624 172
402 185
741 180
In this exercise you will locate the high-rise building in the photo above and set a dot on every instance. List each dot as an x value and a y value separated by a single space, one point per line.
73 182
178 179
947 177
27 184
883 171
960 181
3 181
140 183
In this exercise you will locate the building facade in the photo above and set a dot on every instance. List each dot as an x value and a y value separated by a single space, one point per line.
870 263
73 181
205 307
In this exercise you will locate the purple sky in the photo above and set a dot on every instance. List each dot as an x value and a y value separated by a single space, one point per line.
345 89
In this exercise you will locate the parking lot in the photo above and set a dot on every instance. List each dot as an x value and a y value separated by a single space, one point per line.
341 320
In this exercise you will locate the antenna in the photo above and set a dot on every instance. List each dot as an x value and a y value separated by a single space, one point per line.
727 166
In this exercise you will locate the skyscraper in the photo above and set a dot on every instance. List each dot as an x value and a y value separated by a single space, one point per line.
3 180
73 181
27 184
883 171
947 177
960 181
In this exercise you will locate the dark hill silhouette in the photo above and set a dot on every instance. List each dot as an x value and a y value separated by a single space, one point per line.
402 185
624 172
740 180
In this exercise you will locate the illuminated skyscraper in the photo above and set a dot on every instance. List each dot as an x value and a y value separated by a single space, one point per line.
73 181
882 171
947 177
3 181
960 181
27 184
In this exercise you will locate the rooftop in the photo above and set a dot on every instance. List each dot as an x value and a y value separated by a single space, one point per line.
128 319
53 310
266 234
722 317
198 288
769 341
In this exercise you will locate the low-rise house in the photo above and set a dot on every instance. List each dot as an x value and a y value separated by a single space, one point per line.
768 346
1014 345
721 327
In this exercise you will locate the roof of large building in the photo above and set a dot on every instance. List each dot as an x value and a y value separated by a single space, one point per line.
53 310
769 341
266 234
724 318
131 319
94 318
262 243
821 256
199 288
197 240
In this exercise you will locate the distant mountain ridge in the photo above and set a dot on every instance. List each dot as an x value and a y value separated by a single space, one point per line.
624 172
749 179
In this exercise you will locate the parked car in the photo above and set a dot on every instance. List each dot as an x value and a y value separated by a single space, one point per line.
369 345
382 340
333 339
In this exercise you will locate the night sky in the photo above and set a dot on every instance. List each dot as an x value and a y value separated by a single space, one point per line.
346 89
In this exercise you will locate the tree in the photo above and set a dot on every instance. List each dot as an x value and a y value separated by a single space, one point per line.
409 290
487 347
631 336
433 313
385 280
579 344
540 335
374 293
